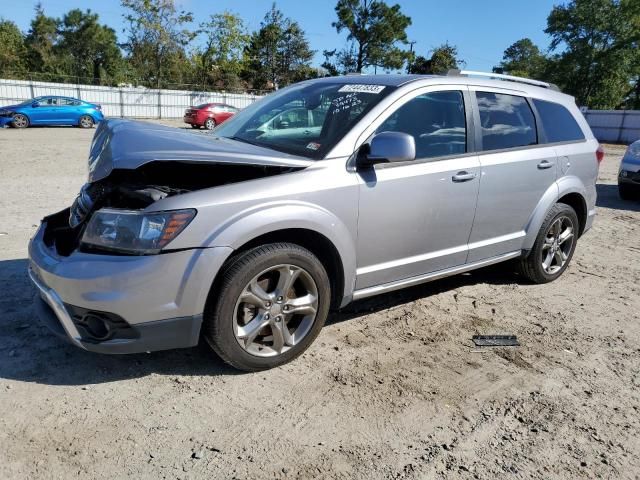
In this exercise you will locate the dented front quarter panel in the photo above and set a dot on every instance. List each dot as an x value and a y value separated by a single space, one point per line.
322 198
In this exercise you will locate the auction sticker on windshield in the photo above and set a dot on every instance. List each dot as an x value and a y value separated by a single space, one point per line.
362 88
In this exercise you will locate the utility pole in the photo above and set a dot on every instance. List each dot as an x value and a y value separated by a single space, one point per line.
411 44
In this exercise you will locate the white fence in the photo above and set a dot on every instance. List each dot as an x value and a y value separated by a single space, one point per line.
122 102
614 126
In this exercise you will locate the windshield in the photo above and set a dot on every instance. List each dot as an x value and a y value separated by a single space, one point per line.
29 102
304 119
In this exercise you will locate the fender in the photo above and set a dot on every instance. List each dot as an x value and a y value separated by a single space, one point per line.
281 215
560 188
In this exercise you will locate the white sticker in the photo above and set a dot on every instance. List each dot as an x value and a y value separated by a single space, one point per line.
362 88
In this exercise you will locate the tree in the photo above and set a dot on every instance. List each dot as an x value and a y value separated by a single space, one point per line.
87 48
598 49
443 58
12 49
220 60
523 59
340 62
278 52
157 37
40 42
376 29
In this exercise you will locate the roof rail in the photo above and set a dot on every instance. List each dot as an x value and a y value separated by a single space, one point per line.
500 76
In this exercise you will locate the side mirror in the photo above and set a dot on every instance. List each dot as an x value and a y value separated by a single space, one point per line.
35 104
389 147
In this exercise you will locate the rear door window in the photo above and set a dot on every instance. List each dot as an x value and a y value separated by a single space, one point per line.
506 121
557 122
435 120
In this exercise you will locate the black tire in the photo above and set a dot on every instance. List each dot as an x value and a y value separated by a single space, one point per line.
20 121
86 121
531 266
219 315
194 126
628 192
210 124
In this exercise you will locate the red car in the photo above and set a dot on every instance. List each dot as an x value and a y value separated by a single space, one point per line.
208 115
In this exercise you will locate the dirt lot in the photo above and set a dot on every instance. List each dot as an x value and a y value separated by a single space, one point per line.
392 388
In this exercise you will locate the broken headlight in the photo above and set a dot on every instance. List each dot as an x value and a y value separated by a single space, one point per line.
135 232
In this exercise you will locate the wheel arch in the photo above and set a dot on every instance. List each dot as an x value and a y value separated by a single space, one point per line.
571 191
316 243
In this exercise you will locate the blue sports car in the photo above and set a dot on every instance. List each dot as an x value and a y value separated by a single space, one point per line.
51 110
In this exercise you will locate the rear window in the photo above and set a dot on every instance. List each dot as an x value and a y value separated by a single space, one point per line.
558 123
506 121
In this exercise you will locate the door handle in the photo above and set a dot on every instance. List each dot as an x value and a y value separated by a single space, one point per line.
545 164
463 177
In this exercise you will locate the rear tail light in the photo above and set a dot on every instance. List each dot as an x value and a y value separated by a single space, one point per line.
600 154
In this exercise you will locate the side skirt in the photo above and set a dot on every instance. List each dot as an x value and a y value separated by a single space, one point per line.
428 277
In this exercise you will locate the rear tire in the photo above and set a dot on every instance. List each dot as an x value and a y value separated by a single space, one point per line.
85 121
194 126
256 331
554 245
628 192
20 121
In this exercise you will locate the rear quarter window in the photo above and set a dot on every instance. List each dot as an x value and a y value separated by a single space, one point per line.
558 123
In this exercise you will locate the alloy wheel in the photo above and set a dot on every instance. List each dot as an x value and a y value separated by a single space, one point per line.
557 245
275 310
210 124
86 122
20 121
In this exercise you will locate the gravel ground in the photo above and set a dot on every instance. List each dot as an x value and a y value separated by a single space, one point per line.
392 388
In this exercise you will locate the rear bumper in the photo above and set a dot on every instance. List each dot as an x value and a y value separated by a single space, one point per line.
191 120
146 303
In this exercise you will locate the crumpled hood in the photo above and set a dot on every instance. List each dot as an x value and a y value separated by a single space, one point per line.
126 144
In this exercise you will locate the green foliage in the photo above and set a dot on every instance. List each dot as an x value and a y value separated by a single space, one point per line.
40 42
376 29
157 37
523 59
220 59
598 54
443 58
12 49
86 48
278 53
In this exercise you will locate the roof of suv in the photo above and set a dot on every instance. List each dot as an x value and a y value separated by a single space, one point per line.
404 79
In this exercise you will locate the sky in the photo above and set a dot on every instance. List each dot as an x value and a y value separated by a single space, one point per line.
481 30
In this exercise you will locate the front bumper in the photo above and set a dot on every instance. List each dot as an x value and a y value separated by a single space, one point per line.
159 299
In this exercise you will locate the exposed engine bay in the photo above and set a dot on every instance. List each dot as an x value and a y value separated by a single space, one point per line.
139 188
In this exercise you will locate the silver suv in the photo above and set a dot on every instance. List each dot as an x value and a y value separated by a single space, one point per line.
322 193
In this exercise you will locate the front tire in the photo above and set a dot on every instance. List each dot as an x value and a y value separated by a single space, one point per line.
628 192
20 121
209 124
554 245
85 121
270 305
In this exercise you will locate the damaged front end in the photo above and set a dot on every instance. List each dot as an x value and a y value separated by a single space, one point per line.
109 213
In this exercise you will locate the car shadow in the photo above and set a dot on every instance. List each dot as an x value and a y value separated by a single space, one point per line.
29 352
608 198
